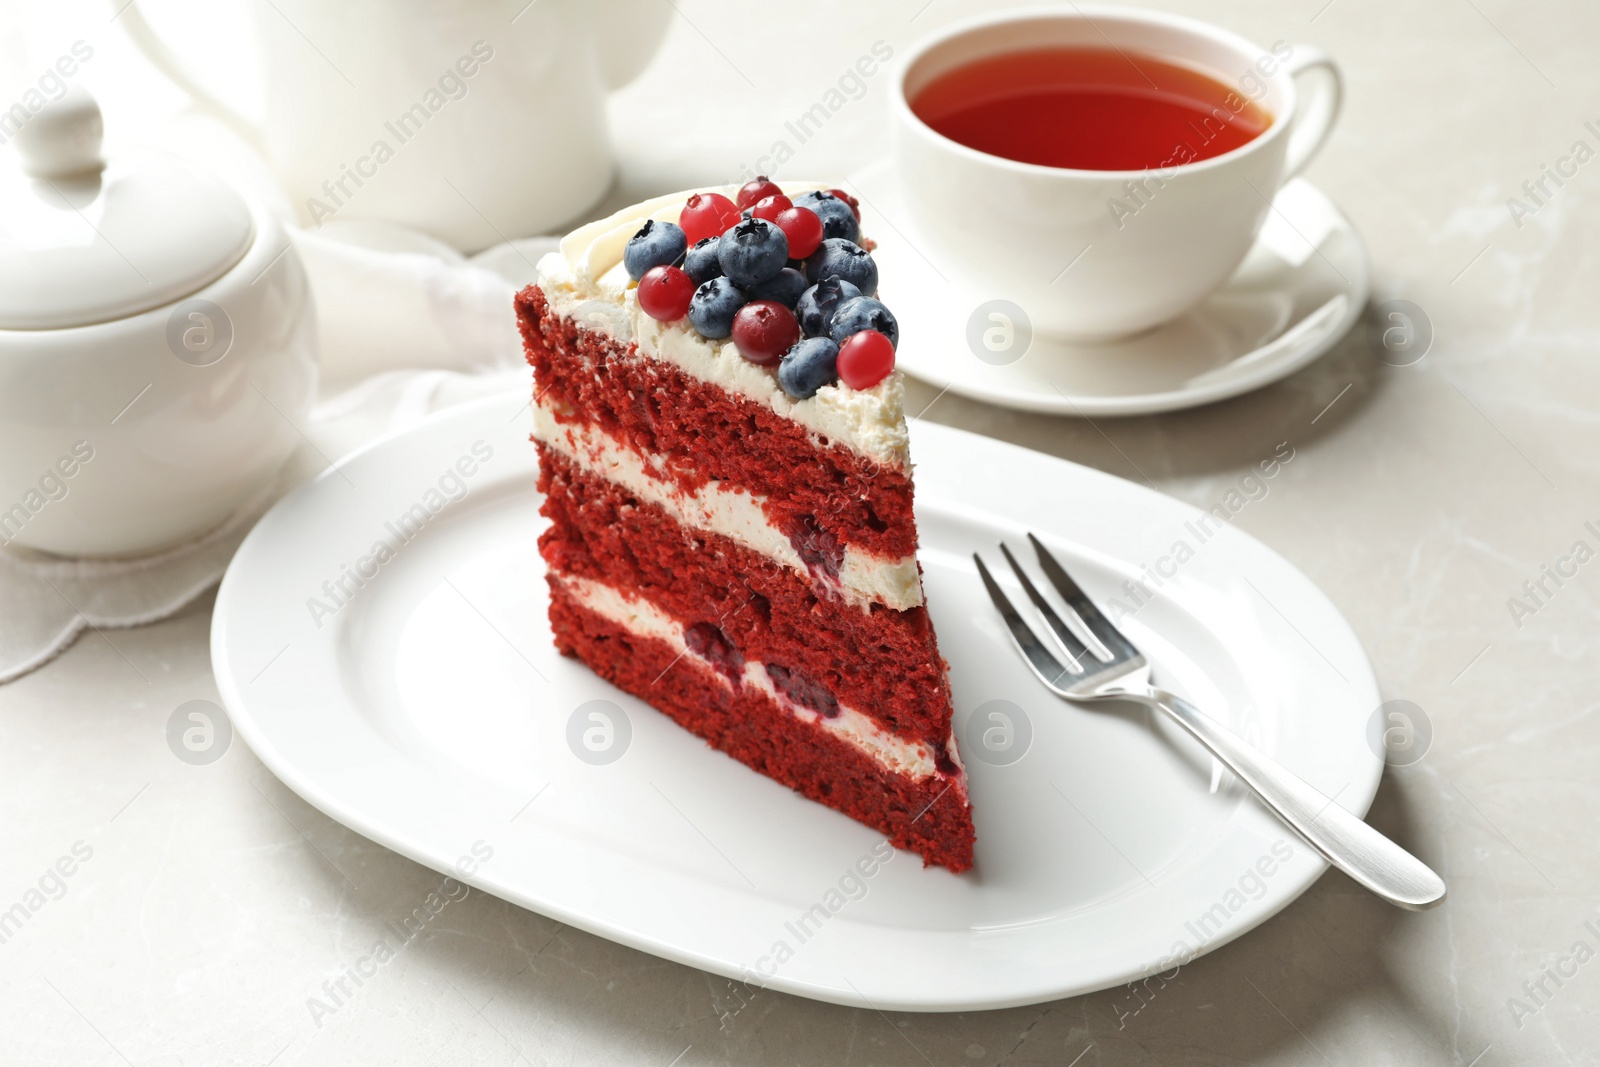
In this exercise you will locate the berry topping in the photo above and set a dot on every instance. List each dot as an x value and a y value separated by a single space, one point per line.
707 215
754 251
764 330
770 207
752 193
803 229
865 359
838 217
838 258
855 205
656 244
664 293
785 287
713 307
817 304
808 366
700 262
863 313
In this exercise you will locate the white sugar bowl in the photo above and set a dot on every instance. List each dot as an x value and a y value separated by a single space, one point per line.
157 344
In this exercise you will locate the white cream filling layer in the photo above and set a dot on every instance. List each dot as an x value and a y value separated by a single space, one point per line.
863 578
914 760
587 282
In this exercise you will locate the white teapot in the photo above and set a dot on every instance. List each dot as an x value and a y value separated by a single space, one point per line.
473 120
157 344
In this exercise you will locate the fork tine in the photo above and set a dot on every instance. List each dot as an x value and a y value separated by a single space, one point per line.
1119 647
1038 657
1070 642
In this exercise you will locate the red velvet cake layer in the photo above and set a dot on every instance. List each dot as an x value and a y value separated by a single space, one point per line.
766 611
820 496
930 817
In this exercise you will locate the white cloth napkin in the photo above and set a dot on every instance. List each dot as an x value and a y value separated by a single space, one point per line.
407 326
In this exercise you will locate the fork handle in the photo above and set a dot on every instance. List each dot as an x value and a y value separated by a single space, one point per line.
1344 840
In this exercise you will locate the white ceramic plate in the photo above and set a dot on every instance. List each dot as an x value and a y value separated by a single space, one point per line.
431 707
1300 288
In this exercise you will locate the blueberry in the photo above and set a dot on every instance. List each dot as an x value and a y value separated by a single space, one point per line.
808 366
713 307
700 262
863 313
838 258
656 244
837 218
785 287
753 251
816 306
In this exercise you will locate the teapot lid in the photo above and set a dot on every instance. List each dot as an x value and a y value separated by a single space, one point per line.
83 242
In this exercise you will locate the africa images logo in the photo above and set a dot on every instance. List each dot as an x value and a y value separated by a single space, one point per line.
451 487
337 992
452 84
51 886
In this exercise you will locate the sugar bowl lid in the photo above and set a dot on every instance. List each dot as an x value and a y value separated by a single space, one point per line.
84 242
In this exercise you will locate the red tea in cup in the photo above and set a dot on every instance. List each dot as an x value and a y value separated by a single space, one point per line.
1089 109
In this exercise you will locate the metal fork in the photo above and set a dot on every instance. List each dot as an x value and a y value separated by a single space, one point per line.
1118 671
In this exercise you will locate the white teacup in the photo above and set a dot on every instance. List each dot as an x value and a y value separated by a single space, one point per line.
472 120
1063 243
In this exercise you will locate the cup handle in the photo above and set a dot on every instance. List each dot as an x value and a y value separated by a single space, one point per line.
1317 110
168 63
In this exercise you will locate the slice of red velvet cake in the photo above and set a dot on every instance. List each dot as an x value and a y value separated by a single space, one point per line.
723 455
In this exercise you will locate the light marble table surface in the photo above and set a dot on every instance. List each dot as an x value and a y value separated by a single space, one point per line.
215 902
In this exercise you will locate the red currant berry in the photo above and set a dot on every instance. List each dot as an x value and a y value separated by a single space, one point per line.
803 229
664 293
752 193
764 330
770 207
865 359
707 215
855 205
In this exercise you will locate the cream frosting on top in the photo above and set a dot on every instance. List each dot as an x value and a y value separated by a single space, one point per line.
586 280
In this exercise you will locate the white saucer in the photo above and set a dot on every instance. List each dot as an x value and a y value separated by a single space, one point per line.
1302 285
432 713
